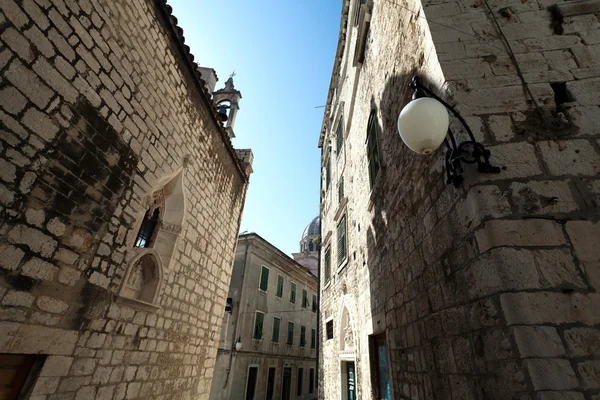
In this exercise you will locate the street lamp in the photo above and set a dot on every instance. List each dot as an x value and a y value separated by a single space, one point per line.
423 125
238 344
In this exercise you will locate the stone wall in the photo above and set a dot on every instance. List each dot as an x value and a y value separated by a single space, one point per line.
489 290
99 106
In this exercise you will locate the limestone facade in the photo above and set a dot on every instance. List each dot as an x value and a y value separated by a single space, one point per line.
120 201
489 290
268 286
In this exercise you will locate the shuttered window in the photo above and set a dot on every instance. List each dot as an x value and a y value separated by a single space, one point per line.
276 323
302 335
373 147
341 240
327 173
292 292
258 325
290 335
329 329
339 136
327 264
314 303
304 298
313 338
264 278
279 286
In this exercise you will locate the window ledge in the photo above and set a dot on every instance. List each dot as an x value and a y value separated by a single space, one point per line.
326 286
342 265
262 291
340 209
376 189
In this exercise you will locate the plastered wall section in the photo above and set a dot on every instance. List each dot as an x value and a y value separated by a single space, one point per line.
489 290
96 108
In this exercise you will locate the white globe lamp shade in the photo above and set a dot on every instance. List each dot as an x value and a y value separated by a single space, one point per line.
238 346
423 124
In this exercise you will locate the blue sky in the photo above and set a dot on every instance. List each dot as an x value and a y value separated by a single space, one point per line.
282 52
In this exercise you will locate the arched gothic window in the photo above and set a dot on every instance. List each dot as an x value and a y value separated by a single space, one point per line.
148 229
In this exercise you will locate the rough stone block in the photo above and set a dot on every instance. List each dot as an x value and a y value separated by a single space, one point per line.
543 197
83 366
40 124
557 269
550 308
18 299
56 366
10 257
586 119
519 233
39 269
583 236
547 395
45 385
29 84
590 373
551 374
11 100
52 305
517 160
585 91
29 339
583 342
501 128
538 341
570 157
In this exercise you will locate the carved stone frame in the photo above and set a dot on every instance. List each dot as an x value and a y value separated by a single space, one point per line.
125 299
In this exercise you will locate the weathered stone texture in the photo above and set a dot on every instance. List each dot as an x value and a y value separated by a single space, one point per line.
489 290
98 104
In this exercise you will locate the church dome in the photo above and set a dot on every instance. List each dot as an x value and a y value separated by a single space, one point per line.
312 229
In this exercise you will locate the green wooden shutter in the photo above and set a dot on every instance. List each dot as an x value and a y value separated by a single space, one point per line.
279 286
290 335
341 231
304 298
302 335
327 264
276 323
293 292
313 338
258 325
264 278
314 304
373 147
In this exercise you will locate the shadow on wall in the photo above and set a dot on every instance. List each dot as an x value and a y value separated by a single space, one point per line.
413 249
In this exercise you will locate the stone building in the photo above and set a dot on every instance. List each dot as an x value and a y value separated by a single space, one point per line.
488 290
271 316
120 202
310 246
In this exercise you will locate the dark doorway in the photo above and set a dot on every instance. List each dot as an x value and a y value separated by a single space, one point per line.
251 384
271 383
286 384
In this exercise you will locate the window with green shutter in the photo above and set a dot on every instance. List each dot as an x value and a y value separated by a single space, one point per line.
341 190
341 240
373 147
276 323
290 335
327 264
279 286
327 173
313 338
258 325
314 304
302 335
292 292
304 298
264 278
339 136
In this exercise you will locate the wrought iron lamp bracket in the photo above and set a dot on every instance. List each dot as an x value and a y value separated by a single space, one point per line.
468 152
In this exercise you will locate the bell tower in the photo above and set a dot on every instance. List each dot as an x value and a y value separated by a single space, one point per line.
227 103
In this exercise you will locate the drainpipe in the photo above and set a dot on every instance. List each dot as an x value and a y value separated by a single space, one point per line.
237 318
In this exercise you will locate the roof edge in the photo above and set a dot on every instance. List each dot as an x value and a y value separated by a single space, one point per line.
170 22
